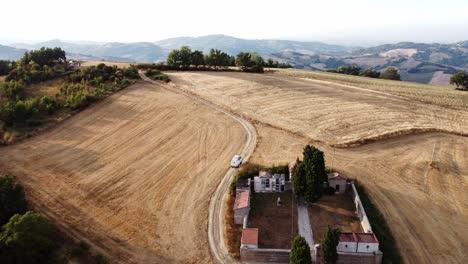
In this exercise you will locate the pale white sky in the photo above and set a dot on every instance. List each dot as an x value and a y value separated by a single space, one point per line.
339 21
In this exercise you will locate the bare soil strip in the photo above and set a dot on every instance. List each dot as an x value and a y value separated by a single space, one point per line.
418 181
133 174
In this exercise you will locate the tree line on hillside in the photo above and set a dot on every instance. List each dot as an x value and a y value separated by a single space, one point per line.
389 74
186 59
79 87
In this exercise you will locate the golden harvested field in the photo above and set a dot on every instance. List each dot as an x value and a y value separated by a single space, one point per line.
108 63
418 180
133 174
334 114
437 95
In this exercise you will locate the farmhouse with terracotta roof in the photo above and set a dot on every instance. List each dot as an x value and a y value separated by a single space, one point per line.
241 206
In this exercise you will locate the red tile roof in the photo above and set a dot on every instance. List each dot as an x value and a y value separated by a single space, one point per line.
242 199
366 238
347 237
249 236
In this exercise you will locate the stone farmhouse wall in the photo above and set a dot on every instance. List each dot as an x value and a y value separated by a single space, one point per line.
265 255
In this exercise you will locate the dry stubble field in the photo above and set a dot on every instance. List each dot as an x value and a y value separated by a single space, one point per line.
418 180
132 175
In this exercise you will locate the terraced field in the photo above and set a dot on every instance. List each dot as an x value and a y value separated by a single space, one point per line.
132 175
418 180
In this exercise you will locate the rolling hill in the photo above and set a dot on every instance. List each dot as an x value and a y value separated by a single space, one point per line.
417 62
234 45
132 52
10 53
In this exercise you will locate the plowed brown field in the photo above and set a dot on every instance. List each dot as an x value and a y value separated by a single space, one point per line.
132 175
417 177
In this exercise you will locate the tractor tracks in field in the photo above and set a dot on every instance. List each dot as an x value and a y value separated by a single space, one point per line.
218 248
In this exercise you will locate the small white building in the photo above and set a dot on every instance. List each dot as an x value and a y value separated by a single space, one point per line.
358 243
266 182
367 243
338 182
249 238
347 243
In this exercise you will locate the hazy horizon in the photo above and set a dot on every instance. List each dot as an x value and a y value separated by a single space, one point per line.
357 23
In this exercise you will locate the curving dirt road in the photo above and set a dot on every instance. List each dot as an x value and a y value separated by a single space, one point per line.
215 222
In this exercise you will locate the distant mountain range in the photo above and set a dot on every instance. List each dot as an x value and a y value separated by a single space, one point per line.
10 53
418 62
233 45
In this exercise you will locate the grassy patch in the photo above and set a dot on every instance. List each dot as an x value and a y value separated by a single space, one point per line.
49 88
157 75
380 228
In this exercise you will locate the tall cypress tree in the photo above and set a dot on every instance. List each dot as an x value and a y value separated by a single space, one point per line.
314 166
298 179
329 243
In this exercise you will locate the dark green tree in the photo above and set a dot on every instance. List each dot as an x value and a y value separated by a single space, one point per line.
185 56
328 246
371 73
299 179
12 199
244 60
197 58
6 66
44 56
270 63
300 251
28 238
314 166
390 74
460 80
174 58
216 58
250 62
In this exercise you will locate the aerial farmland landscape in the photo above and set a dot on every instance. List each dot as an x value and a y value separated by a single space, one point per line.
164 139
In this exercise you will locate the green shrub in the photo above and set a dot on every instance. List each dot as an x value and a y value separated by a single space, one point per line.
12 89
27 238
48 104
460 80
12 198
300 251
78 100
157 75
390 74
